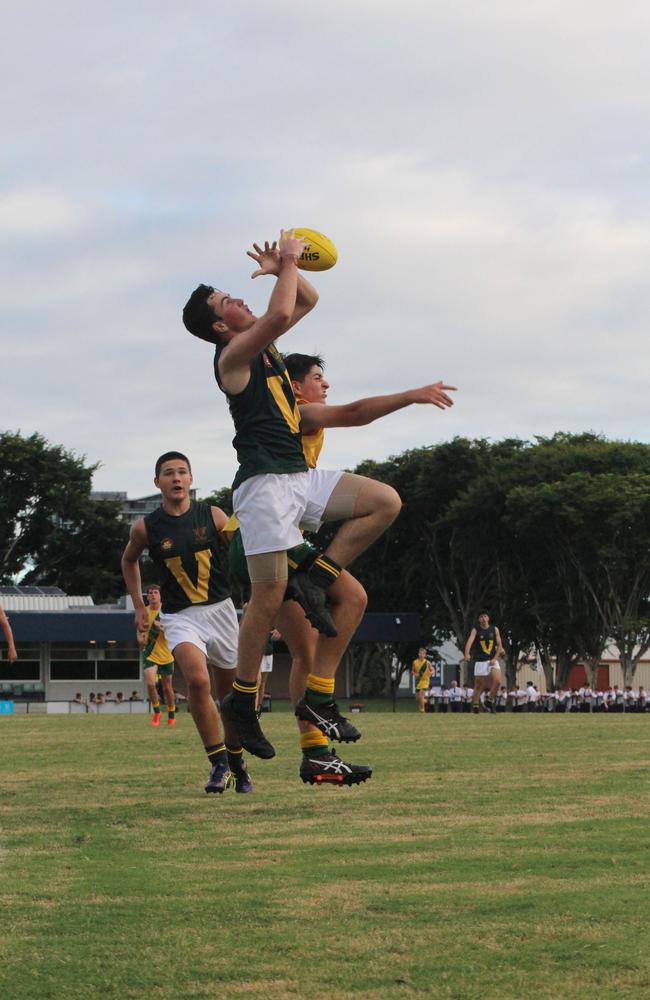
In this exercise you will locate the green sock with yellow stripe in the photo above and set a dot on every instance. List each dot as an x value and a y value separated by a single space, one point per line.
319 690
314 744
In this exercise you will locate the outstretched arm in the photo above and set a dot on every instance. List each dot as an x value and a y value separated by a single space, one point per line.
136 545
364 411
12 656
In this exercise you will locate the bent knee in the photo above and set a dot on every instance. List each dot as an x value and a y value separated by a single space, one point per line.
390 503
198 685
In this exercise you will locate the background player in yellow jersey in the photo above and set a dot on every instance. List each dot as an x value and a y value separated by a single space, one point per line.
421 670
310 388
306 372
158 659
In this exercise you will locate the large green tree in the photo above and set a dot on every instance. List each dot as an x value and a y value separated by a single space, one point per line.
51 531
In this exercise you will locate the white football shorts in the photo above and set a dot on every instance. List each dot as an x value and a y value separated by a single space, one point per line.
482 668
213 628
266 666
272 509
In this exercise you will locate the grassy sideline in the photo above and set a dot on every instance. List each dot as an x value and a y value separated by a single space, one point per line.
487 858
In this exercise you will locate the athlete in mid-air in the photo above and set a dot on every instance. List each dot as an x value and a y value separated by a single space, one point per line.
198 616
275 494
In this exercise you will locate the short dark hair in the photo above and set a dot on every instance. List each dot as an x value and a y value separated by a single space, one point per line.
198 315
168 456
483 612
299 365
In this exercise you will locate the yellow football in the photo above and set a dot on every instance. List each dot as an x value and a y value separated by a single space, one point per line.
319 254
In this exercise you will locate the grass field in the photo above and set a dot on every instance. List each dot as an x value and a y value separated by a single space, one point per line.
501 857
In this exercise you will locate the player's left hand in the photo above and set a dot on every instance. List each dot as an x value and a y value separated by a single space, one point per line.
268 258
435 394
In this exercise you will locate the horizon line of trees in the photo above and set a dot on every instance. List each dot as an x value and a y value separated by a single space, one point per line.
551 535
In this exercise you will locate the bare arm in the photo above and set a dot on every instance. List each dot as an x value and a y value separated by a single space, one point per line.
135 546
364 411
470 643
237 355
12 656
219 518
499 646
269 263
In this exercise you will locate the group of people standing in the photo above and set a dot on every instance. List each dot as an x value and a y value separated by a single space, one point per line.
279 410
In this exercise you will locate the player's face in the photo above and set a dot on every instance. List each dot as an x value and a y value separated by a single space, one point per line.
234 312
153 596
174 480
484 620
314 386
422 653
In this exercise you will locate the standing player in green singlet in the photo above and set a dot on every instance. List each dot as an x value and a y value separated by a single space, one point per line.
198 616
158 659
484 646
275 494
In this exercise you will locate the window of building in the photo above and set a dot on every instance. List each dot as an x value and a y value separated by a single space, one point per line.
26 668
94 661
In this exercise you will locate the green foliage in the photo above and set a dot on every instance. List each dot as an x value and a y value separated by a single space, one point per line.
51 531
553 536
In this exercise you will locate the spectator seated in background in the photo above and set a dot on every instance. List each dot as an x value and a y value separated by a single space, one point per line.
119 698
79 699
100 699
135 696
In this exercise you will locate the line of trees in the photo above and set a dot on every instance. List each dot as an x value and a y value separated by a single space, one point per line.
52 533
552 536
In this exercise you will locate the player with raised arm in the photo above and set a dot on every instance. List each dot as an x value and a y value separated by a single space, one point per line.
198 616
274 492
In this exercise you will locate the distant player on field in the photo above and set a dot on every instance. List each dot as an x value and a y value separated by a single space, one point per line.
421 669
158 659
484 647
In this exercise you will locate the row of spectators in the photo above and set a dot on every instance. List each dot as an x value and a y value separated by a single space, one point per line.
529 699
102 699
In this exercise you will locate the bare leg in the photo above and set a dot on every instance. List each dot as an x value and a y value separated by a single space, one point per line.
169 691
375 508
309 650
202 706
261 615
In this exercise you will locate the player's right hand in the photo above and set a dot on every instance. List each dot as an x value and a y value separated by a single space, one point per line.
290 245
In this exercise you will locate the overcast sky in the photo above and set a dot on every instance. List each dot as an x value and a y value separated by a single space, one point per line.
483 168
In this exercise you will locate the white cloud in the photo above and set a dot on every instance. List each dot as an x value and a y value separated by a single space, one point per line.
482 168
39 214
